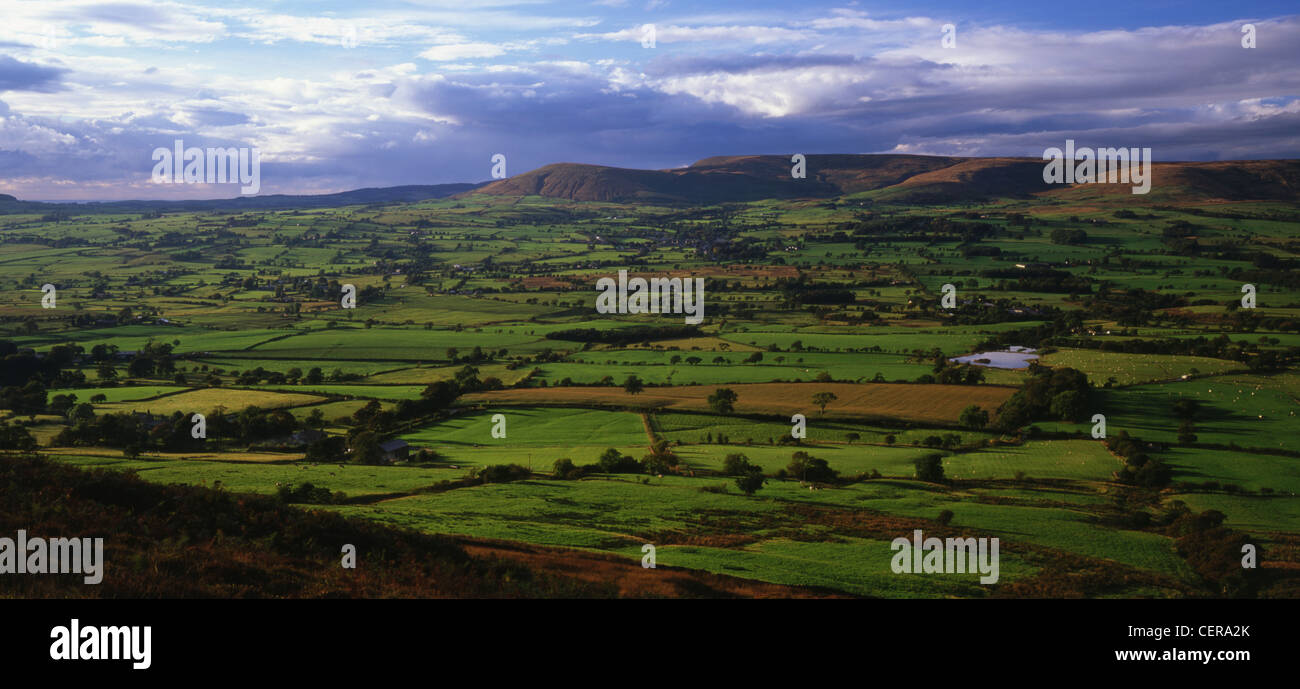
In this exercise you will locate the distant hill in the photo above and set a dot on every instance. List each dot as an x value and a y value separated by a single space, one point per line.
405 194
9 204
733 179
580 182
898 178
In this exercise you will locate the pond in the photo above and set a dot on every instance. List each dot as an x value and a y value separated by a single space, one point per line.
1013 357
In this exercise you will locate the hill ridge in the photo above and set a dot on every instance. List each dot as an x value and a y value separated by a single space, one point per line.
892 177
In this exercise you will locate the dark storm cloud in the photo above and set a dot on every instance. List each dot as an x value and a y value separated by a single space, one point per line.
16 75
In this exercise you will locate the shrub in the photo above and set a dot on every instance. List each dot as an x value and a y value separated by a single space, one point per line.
564 468
306 493
503 473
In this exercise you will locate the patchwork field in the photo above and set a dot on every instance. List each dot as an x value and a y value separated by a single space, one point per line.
910 402
206 399
475 364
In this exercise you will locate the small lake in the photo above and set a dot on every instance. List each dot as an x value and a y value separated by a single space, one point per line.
1014 357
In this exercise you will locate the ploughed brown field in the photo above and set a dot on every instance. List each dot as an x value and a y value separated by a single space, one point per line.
932 403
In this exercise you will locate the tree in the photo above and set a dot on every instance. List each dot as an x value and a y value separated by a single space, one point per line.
1068 236
563 468
821 399
1068 405
736 464
1186 409
141 367
1013 413
809 468
852 437
81 412
315 376
62 404
929 468
633 385
331 448
615 462
440 395
467 379
364 448
973 417
723 400
15 438
367 412
750 481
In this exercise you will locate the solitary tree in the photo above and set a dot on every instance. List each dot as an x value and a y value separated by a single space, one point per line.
821 399
930 468
974 417
723 400
633 385
750 481
736 464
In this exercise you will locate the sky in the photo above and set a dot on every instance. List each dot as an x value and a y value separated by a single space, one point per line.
337 96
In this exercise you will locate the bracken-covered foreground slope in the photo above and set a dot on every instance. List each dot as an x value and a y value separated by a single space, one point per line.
165 541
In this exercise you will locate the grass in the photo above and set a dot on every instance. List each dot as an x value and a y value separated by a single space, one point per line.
257 477
1071 459
1251 411
408 344
120 393
233 316
935 403
1253 513
207 399
536 427
1128 369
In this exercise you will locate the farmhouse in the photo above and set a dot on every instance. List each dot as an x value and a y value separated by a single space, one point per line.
298 439
395 449
149 420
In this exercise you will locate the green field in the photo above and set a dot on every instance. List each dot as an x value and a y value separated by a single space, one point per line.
479 306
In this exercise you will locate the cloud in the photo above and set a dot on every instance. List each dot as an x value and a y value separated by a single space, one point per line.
671 33
462 51
430 91
16 75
